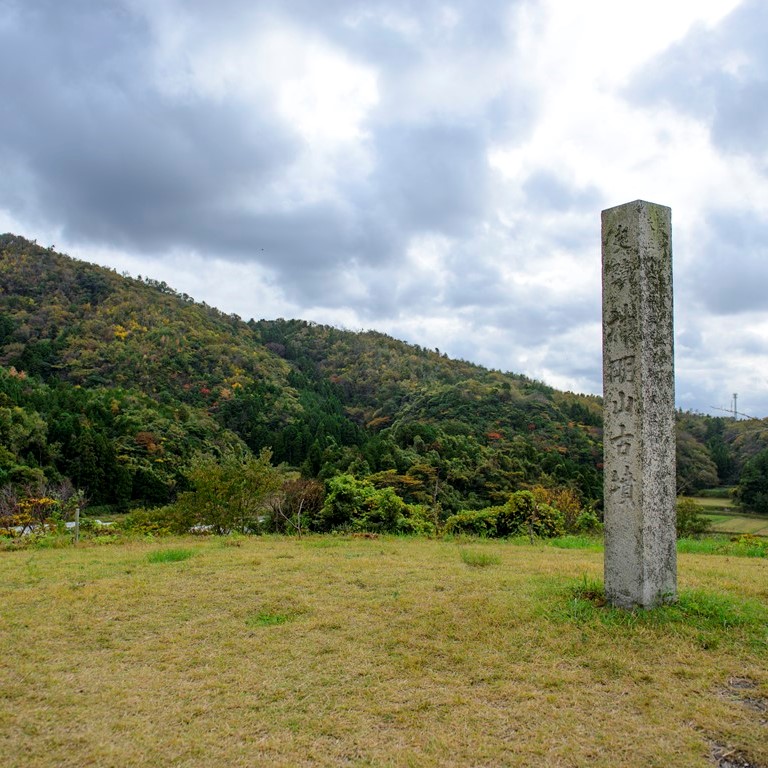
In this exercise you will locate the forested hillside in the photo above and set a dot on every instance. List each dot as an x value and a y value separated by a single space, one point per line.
116 383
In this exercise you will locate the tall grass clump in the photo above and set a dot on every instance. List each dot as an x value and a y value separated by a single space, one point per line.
475 559
169 555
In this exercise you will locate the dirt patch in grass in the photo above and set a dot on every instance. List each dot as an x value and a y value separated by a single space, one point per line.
728 757
746 692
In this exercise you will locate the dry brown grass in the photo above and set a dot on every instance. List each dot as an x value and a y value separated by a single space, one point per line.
387 653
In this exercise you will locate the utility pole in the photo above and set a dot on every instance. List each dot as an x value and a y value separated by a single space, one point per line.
735 410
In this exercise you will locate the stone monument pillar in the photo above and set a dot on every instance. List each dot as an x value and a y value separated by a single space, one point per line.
639 406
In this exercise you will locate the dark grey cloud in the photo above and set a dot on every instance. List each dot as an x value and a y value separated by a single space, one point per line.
531 316
539 323
545 192
371 28
94 147
474 283
434 176
689 340
107 157
731 272
752 345
718 75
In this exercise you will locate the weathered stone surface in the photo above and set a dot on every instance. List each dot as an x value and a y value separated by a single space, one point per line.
639 405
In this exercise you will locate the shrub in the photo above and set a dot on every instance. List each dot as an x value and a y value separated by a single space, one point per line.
230 493
522 515
295 507
474 522
750 545
417 520
689 519
383 511
352 504
587 521
753 485
38 507
565 500
156 521
344 500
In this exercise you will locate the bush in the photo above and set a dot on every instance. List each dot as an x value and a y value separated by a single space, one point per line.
417 520
750 545
344 500
523 515
475 522
157 521
564 499
753 485
37 508
587 521
382 512
352 504
689 519
295 507
230 493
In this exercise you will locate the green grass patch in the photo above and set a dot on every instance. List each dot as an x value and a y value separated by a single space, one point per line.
267 619
576 542
170 555
705 545
475 559
706 616
716 518
741 546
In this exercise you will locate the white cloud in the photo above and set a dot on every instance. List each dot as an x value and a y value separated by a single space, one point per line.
329 102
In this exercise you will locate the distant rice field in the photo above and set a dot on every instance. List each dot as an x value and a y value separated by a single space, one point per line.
709 502
726 517
739 524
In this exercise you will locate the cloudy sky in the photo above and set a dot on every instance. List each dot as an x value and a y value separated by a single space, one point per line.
434 169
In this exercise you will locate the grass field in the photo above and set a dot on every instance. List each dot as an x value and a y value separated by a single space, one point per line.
388 652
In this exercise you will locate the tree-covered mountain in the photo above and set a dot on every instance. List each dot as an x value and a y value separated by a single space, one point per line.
116 383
